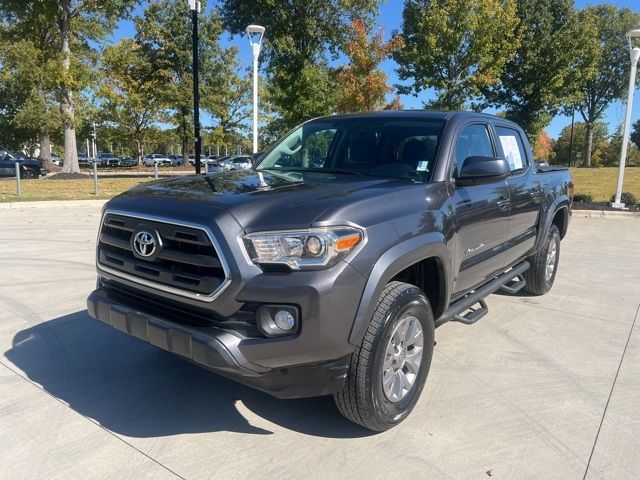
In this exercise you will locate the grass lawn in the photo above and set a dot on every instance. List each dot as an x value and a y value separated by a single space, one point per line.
600 183
45 189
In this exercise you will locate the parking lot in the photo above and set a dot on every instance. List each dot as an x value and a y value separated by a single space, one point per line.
543 387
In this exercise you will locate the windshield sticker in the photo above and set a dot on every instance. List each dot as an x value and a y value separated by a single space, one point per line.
511 151
423 166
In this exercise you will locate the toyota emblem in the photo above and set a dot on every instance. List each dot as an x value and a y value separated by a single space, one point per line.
144 243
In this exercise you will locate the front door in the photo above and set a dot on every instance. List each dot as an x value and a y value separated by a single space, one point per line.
481 214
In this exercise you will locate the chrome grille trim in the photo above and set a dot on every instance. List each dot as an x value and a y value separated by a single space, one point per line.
158 286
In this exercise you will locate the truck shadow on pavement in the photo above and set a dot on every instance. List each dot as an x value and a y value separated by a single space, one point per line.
138 390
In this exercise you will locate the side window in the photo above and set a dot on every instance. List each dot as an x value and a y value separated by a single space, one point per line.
513 149
474 141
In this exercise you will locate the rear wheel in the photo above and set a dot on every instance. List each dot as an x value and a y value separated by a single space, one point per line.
29 173
544 265
389 369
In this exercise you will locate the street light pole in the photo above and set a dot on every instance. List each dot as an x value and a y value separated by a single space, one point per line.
194 6
252 31
635 55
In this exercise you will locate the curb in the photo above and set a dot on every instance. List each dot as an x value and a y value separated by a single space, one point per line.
52 203
604 213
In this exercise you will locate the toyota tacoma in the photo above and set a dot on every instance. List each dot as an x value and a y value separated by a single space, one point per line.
326 268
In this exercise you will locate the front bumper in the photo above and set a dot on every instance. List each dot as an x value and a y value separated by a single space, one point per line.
219 350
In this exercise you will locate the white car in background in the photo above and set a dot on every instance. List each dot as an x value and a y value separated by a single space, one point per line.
152 158
237 162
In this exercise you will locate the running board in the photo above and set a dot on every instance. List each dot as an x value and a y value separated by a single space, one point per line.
456 310
515 285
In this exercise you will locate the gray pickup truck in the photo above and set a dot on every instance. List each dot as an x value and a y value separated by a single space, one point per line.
326 268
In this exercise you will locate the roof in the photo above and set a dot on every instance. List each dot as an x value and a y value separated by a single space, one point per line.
423 114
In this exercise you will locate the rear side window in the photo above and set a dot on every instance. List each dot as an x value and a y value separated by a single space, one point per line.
474 141
513 149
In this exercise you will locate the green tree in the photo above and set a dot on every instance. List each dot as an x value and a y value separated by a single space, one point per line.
561 146
28 54
164 34
611 154
76 22
556 56
132 92
300 36
610 80
457 47
362 85
635 133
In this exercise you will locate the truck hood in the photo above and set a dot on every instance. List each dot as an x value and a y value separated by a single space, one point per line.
258 201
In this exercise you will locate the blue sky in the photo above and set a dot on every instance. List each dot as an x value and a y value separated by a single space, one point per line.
390 19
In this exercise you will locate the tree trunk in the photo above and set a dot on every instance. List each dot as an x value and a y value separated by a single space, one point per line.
45 149
589 144
139 150
66 96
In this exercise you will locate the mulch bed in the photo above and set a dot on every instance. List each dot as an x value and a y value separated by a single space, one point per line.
68 176
603 206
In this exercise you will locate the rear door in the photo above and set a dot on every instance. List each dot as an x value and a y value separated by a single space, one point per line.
524 192
481 213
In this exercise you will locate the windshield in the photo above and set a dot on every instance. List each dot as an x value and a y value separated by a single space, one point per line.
383 147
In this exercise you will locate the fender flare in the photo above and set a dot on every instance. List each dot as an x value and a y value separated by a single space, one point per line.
392 262
559 203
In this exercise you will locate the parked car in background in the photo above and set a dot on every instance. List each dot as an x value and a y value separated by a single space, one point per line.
56 160
84 160
29 167
176 160
152 158
128 162
108 160
238 162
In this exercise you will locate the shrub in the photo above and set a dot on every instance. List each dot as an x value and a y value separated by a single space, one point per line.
627 198
582 197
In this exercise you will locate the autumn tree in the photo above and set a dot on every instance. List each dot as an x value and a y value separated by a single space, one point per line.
611 153
556 56
456 47
301 36
543 147
362 85
609 82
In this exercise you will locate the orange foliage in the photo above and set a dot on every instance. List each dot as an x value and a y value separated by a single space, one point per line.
362 85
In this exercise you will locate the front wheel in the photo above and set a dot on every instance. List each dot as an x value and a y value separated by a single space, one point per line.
29 173
389 369
544 265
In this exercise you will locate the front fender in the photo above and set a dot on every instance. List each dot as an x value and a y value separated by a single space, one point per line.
392 262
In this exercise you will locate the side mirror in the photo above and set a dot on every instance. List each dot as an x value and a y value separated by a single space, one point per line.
479 170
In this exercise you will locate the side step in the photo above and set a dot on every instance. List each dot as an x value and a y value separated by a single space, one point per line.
515 285
455 310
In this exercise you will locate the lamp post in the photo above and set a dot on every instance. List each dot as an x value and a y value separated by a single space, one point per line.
254 31
633 35
195 6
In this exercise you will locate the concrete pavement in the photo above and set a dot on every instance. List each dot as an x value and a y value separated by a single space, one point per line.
543 387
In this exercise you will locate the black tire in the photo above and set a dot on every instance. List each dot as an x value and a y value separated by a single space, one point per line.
362 399
538 282
29 173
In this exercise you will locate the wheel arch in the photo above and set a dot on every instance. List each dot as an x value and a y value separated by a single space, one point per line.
414 261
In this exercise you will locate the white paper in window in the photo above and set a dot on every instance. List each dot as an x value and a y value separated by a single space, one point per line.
511 151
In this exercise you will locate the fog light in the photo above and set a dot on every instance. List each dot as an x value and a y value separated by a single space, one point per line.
284 320
277 320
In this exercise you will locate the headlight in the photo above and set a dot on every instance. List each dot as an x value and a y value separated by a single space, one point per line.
303 249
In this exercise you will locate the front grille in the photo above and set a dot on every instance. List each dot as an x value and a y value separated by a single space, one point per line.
187 262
